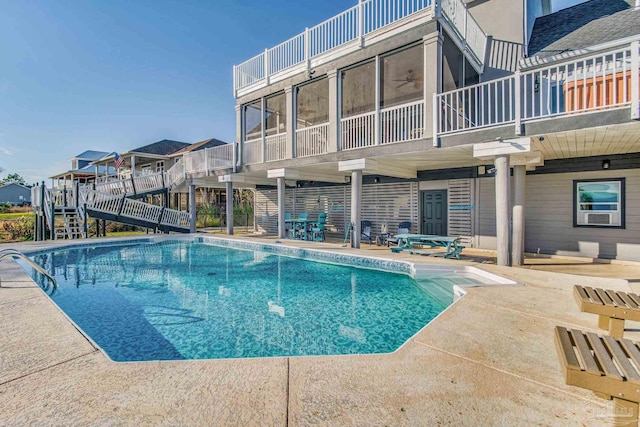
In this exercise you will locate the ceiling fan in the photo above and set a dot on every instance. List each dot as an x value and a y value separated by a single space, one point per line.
305 111
411 78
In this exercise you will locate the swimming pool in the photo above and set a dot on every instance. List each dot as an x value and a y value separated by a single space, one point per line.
194 300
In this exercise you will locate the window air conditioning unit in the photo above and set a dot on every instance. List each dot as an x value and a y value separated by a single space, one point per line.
598 218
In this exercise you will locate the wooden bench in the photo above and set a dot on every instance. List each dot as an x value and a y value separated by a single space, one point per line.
612 307
604 365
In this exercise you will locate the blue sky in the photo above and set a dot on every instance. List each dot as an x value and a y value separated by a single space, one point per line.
114 75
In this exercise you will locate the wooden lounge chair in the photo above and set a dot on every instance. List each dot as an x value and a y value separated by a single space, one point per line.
604 365
612 307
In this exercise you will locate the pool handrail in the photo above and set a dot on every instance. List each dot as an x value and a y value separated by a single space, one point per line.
14 253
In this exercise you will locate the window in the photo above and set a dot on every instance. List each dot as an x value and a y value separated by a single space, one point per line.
599 203
160 166
402 77
358 92
276 114
252 116
312 103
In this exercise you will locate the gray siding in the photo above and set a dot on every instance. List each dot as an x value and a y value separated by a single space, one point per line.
11 193
549 218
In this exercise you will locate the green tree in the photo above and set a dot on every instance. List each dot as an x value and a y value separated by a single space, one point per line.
13 177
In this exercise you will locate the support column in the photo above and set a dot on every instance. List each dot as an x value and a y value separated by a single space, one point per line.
334 141
502 208
230 208
290 114
133 166
519 197
356 199
432 82
239 139
192 208
281 225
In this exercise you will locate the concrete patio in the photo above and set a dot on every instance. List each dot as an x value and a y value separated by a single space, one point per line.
488 360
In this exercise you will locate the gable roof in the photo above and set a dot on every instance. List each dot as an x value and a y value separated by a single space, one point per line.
15 183
91 155
197 146
160 148
587 24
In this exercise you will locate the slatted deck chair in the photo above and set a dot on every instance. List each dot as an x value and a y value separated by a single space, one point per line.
403 228
605 365
288 225
365 230
612 307
317 229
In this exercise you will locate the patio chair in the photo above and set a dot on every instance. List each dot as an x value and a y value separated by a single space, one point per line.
612 307
403 228
288 226
300 229
605 365
365 230
317 229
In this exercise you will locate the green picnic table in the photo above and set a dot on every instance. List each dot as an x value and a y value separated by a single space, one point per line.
415 243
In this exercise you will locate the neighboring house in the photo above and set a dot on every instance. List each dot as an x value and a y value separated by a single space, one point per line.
146 159
82 170
15 194
421 111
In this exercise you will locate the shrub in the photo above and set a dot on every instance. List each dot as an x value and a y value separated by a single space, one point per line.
5 207
20 228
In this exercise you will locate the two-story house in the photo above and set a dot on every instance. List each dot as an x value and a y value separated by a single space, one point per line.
465 118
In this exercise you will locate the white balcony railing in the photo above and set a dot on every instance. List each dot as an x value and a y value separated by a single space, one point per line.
220 157
583 85
472 107
195 161
312 140
276 146
349 26
358 131
402 123
252 150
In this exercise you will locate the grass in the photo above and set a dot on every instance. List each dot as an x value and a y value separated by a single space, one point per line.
13 215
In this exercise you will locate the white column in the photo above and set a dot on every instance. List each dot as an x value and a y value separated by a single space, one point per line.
281 208
290 114
519 196
502 208
133 165
229 208
192 208
432 82
333 143
356 198
239 136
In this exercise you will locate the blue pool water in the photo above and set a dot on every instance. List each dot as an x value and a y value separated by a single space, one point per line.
188 300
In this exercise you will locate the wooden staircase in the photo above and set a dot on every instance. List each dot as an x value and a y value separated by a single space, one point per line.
68 223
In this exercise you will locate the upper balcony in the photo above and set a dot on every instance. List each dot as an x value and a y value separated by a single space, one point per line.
366 23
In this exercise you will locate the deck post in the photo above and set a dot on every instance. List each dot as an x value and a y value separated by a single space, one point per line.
356 198
432 83
334 114
229 208
192 208
289 112
281 225
502 208
519 196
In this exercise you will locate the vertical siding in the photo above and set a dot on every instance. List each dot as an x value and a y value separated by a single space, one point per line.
549 218
461 201
390 203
